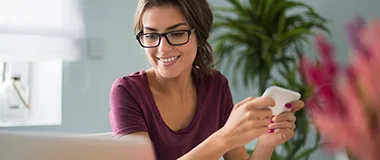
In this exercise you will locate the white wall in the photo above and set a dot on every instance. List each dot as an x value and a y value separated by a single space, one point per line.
86 83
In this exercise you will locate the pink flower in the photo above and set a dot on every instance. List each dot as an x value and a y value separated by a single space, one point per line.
345 107
353 29
322 76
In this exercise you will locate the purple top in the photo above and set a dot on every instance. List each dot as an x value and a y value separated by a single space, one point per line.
133 110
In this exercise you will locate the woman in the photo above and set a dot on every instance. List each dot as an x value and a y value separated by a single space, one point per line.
181 104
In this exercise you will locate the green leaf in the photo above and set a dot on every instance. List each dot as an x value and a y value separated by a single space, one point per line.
284 74
292 78
242 60
275 156
282 24
235 38
242 27
224 52
322 27
240 9
225 10
308 152
277 83
312 14
246 75
281 7
317 138
267 7
293 20
288 145
229 23
292 35
265 55
249 152
275 10
259 8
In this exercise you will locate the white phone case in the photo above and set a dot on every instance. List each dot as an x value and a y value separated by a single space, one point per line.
281 96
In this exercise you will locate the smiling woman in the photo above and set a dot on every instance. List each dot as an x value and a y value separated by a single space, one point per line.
181 104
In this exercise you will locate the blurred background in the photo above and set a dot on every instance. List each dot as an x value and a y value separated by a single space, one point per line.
79 99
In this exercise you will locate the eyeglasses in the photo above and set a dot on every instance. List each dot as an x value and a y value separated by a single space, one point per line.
174 38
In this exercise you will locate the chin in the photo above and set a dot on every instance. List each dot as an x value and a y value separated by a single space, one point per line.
169 74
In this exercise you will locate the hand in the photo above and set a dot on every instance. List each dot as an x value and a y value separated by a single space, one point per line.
282 127
248 120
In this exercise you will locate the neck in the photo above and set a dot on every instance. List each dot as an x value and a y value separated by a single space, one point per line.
180 86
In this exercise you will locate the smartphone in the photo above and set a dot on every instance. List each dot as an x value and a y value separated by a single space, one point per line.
281 96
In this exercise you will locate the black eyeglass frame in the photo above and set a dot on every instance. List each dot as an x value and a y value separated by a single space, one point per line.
160 35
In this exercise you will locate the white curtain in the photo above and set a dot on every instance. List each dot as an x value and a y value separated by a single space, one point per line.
33 30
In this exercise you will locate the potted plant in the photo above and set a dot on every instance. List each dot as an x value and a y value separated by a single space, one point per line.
263 40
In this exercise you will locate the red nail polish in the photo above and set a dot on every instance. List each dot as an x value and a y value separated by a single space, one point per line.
271 121
289 105
271 131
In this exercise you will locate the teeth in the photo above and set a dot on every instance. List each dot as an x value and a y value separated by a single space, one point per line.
168 59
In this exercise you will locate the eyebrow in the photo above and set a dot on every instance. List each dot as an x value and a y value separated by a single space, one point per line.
169 28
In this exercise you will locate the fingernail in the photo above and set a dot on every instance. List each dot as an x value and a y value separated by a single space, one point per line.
271 121
271 131
289 105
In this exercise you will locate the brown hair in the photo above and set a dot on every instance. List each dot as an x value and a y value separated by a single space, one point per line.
199 16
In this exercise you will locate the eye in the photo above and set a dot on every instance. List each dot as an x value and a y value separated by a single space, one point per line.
177 34
151 36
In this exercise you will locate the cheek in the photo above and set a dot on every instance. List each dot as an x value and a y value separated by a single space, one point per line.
150 53
189 51
191 48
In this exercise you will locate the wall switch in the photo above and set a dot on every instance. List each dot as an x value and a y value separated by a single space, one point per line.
95 47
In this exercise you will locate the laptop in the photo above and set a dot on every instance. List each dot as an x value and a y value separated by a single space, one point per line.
53 146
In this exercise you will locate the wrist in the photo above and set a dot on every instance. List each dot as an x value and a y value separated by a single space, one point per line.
222 141
264 147
262 152
213 147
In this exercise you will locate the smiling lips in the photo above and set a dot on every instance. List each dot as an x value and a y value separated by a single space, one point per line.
168 61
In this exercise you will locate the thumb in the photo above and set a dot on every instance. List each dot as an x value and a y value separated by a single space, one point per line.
244 101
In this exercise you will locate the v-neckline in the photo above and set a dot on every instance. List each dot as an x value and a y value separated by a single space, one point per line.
194 119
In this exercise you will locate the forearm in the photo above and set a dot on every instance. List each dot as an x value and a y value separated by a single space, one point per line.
262 152
210 149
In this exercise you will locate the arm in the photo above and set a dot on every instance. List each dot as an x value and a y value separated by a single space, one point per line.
240 153
210 149
213 148
260 153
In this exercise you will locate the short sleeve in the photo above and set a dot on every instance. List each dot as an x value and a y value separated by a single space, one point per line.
228 102
125 115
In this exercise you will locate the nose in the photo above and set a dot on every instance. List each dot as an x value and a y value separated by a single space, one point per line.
164 45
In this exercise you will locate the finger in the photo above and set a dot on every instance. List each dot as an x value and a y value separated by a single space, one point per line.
286 134
259 123
260 103
259 131
282 125
286 116
296 106
244 101
264 113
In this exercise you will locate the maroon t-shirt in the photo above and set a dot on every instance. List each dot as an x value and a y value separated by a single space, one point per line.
133 110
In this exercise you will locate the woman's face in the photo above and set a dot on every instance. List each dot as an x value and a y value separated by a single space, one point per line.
168 60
